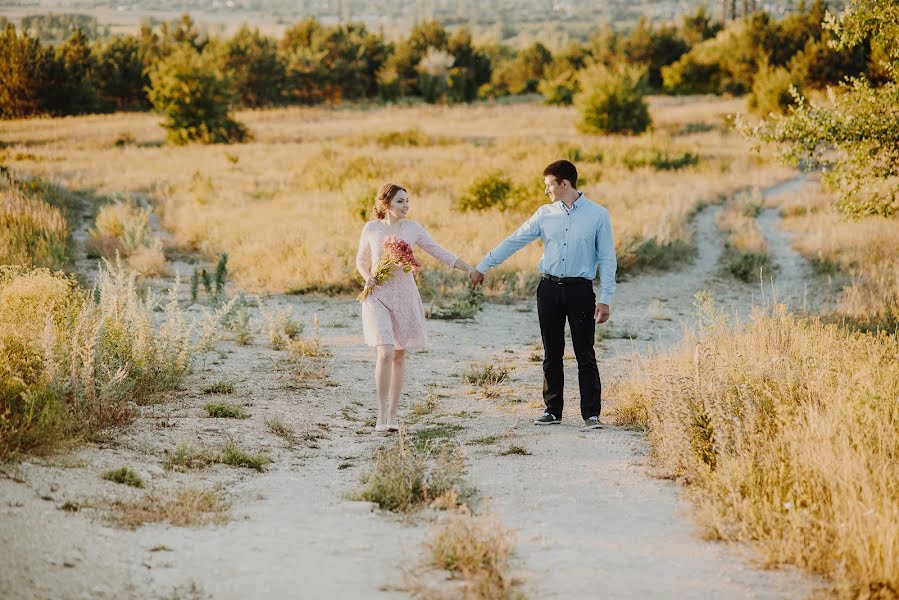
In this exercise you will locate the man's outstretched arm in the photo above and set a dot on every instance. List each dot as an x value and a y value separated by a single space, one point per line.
524 235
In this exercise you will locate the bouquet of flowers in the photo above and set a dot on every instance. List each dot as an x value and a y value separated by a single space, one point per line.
397 253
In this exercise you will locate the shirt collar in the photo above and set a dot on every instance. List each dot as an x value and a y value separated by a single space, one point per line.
574 205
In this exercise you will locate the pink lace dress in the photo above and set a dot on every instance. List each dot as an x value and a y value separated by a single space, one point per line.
392 313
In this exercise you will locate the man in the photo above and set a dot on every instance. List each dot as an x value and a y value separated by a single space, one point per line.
577 238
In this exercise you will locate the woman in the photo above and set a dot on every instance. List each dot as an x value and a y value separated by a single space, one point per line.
392 315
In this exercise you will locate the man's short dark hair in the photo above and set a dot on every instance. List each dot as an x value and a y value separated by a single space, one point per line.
562 169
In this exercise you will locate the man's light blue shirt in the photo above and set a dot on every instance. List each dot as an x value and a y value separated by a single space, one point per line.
575 243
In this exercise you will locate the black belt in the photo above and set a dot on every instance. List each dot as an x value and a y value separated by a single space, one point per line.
565 280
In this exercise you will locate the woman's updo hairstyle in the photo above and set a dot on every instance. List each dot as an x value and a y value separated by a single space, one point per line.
384 197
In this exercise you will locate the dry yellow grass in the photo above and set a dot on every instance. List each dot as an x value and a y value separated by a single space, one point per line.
188 508
123 229
787 432
286 207
477 550
866 249
32 232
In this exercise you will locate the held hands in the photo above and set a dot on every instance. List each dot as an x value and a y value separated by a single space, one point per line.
476 277
601 315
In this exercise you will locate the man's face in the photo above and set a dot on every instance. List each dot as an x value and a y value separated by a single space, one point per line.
553 188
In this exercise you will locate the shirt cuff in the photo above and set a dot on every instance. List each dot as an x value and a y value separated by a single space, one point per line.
605 299
482 267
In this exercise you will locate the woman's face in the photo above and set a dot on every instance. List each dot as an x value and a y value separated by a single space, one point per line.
399 205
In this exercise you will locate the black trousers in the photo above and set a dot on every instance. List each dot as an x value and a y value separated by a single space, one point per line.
577 303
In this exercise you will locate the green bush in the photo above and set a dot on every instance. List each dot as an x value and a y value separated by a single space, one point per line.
612 101
490 191
690 76
195 97
125 476
559 90
660 160
771 91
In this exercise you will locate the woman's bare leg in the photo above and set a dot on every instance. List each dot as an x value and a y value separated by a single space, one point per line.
383 371
397 380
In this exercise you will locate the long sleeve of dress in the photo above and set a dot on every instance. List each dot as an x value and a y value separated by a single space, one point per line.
363 255
427 243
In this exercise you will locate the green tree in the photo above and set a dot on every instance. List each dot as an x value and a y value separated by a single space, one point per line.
773 90
121 78
654 49
613 100
470 70
195 97
859 120
22 74
75 87
254 67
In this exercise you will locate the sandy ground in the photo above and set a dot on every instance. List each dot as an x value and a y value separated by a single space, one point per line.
589 519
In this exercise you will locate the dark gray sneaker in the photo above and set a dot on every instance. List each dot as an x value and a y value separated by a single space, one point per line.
592 423
547 419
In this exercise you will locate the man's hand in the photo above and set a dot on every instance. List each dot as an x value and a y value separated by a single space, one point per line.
476 277
601 315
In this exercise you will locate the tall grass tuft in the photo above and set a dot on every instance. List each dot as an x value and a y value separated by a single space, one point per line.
785 429
32 232
123 229
407 477
476 549
71 362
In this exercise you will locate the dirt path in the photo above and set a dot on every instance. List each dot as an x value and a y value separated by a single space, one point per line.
589 520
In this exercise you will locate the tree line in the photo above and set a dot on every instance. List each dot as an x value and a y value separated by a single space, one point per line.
315 62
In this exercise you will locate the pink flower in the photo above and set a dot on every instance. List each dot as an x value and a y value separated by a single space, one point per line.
397 253
401 252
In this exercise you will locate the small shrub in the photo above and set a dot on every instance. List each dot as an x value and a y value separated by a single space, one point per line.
515 450
477 549
490 191
771 91
746 266
213 284
461 308
659 160
223 410
487 374
405 478
560 90
407 138
424 407
219 387
125 476
186 458
486 440
281 429
281 327
234 456
613 101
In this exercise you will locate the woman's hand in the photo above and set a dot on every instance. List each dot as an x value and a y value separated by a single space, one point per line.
371 282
